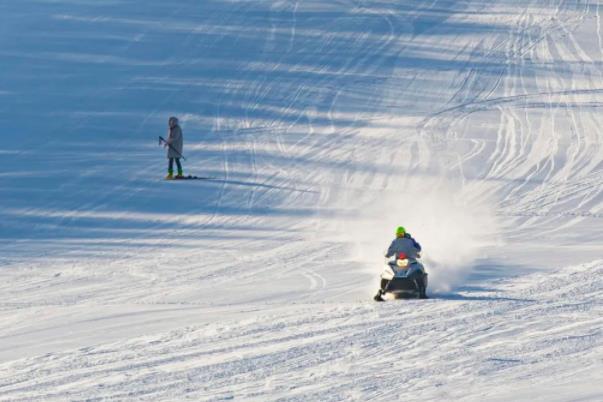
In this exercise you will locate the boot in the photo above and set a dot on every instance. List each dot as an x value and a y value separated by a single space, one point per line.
379 296
170 175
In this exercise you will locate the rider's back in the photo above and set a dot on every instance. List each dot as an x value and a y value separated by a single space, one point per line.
406 245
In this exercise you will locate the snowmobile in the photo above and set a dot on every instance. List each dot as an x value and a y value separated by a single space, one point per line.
402 278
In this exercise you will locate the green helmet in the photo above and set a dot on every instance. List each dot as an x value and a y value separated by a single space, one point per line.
400 231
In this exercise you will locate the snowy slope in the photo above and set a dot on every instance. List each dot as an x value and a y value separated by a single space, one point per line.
495 344
323 126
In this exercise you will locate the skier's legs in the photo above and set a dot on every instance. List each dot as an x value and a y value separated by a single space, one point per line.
179 166
171 166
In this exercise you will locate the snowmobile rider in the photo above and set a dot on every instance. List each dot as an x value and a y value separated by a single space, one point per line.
404 243
174 145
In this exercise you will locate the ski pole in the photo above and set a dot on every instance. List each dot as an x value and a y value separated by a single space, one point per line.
171 147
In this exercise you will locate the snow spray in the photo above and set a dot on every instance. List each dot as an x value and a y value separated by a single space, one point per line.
452 227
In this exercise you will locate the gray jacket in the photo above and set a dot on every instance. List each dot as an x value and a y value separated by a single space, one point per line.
175 139
406 245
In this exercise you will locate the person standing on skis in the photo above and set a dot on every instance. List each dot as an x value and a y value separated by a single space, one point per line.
174 144
404 243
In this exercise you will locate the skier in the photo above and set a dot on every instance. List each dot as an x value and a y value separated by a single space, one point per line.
404 243
174 145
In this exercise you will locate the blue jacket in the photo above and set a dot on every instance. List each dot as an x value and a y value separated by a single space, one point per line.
406 245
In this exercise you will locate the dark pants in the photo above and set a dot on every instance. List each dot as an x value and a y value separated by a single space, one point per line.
171 166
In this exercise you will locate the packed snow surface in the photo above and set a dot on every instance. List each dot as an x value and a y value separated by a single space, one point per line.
321 125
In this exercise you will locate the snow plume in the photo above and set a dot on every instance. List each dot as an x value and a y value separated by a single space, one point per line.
452 227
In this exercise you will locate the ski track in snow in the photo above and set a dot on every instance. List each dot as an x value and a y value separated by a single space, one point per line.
308 116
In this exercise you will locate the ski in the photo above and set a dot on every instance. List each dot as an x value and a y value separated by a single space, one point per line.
189 177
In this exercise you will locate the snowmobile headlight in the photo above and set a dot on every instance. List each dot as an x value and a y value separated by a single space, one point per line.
402 263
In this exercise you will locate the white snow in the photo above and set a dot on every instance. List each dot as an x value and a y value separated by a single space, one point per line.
324 125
